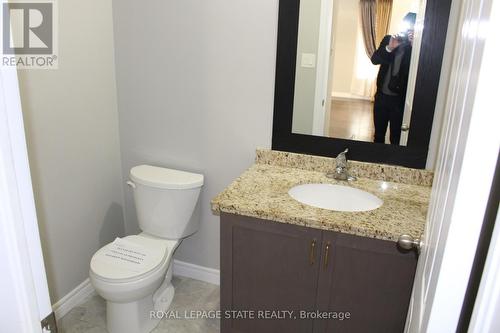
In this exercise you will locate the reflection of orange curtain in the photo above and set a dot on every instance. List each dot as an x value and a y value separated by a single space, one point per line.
375 18
368 13
383 18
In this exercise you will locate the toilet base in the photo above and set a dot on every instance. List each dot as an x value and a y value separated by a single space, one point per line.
138 316
163 297
133 317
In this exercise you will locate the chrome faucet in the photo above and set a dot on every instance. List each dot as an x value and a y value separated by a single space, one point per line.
340 172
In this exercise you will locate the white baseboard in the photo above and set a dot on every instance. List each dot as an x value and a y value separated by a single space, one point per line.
196 272
73 299
78 295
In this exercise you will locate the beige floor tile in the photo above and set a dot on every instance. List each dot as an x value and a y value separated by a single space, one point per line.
189 295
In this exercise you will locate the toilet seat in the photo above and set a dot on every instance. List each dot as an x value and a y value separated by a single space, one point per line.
147 255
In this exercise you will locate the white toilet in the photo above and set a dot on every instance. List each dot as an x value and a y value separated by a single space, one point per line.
134 274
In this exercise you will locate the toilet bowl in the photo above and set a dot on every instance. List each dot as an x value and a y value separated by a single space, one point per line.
133 274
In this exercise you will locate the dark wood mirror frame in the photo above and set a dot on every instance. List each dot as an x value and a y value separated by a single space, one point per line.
426 87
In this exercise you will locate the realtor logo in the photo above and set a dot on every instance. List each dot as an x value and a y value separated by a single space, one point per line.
29 34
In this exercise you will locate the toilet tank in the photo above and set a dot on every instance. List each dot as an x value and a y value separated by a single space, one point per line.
165 200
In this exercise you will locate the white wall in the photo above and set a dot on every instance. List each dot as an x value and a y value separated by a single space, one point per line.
195 85
72 132
346 21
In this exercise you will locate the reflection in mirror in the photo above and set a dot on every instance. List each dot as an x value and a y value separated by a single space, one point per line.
356 68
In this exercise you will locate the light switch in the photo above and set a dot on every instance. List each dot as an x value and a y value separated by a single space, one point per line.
308 60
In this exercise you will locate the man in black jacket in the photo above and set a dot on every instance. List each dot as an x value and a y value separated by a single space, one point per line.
393 56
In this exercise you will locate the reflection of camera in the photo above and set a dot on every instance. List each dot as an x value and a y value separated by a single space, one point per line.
402 37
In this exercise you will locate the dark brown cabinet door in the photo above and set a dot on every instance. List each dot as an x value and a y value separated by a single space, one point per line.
369 278
267 266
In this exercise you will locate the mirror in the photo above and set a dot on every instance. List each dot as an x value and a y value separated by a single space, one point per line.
309 76
356 67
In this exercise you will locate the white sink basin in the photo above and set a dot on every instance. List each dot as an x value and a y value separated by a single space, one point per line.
335 197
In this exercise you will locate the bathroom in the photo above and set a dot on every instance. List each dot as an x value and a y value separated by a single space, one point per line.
190 86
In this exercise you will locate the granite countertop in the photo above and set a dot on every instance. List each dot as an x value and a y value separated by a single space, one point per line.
262 192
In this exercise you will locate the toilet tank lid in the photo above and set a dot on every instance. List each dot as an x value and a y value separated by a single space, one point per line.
165 178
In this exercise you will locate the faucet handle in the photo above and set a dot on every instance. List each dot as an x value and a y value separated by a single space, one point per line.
341 159
340 172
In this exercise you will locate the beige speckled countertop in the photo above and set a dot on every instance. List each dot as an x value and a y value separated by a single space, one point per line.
262 192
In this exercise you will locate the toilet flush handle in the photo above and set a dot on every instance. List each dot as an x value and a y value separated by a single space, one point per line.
130 183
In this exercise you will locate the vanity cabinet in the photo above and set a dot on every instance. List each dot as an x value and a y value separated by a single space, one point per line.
278 267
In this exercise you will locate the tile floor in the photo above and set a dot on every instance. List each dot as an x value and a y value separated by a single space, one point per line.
189 295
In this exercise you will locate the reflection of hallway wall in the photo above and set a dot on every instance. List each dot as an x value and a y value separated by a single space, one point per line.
305 77
346 21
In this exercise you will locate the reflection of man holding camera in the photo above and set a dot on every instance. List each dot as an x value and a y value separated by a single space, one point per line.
393 56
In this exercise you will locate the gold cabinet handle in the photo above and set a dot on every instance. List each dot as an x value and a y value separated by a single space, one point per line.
312 253
327 252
